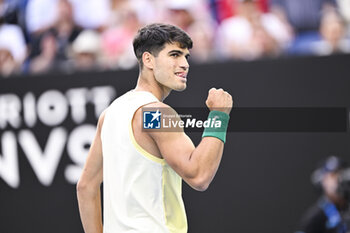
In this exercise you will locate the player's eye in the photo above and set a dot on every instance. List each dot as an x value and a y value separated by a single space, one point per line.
174 55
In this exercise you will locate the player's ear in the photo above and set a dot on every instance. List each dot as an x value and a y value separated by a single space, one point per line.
148 60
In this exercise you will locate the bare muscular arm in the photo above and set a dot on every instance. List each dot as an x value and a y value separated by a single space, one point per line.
88 187
196 165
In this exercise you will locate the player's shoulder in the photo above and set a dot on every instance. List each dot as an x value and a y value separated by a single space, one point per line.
160 106
101 118
157 104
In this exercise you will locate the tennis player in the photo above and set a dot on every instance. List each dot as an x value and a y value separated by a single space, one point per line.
142 171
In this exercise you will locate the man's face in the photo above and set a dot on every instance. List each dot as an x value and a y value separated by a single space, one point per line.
330 183
171 67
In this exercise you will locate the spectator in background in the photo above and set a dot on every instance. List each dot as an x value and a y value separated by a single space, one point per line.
252 34
91 14
223 9
50 48
40 15
304 17
328 214
180 13
7 63
3 8
47 59
86 51
344 8
148 11
333 35
193 17
13 49
330 38
117 50
64 29
203 36
117 12
10 9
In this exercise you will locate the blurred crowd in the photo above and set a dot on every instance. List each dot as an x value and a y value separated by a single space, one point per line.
38 36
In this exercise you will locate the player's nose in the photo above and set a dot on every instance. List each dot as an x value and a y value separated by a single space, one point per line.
184 64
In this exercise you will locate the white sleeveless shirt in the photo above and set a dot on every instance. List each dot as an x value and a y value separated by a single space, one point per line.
142 193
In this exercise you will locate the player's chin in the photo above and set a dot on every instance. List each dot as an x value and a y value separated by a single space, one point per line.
180 88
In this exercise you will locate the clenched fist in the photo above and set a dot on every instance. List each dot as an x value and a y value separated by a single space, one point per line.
219 100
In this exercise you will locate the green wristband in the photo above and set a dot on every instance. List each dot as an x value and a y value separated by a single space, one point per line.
218 126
